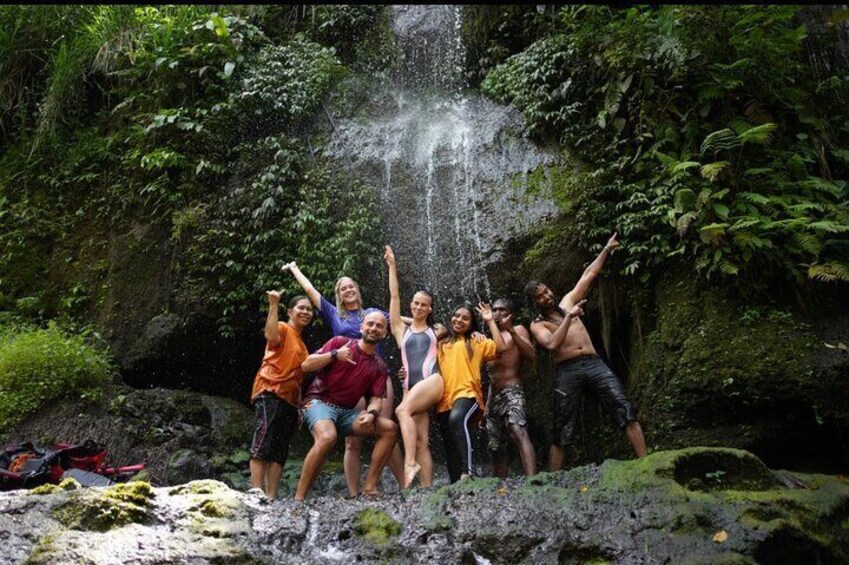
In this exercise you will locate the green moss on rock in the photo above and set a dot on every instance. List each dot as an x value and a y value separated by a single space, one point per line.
717 370
70 484
46 488
110 508
49 488
206 486
43 552
213 509
376 526
694 469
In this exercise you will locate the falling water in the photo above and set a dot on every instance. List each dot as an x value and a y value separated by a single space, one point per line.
449 162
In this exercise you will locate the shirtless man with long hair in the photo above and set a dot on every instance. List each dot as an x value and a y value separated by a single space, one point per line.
560 330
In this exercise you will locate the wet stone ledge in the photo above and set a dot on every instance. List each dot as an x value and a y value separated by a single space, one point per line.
697 505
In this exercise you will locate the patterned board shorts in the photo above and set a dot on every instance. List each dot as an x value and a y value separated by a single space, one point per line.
506 406
276 422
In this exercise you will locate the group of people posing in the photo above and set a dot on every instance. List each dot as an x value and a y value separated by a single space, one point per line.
352 394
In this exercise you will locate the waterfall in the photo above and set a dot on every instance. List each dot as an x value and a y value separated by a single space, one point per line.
450 163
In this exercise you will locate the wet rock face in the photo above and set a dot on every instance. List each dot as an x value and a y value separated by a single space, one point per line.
619 512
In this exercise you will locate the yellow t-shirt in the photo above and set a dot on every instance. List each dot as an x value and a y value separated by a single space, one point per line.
281 367
462 376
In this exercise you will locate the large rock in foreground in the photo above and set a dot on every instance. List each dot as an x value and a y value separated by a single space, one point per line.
696 505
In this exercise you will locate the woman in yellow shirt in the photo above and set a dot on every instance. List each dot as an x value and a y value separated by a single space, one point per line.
458 395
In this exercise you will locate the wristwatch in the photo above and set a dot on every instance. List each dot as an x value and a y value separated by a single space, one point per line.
333 353
374 413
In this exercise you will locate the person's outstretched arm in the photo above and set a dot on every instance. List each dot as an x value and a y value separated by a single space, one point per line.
272 331
590 273
485 312
395 322
309 289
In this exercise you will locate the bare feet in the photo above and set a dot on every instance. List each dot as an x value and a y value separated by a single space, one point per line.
410 472
370 492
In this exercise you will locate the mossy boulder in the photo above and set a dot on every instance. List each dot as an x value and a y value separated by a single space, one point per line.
710 368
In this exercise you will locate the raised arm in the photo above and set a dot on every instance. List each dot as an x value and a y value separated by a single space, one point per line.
395 322
553 340
309 289
272 331
485 312
590 273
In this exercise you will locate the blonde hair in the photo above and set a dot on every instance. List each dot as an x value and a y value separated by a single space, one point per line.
341 311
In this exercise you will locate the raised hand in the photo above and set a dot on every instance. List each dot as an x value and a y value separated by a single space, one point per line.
612 243
345 354
389 256
578 309
273 297
288 266
485 311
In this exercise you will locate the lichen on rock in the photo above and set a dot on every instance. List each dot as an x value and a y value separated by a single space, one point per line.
102 510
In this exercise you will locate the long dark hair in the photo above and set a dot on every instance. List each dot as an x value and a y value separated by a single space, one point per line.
473 327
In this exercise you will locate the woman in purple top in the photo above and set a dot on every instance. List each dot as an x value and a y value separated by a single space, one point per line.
344 318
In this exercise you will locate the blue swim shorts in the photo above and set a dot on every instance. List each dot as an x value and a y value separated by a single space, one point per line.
315 410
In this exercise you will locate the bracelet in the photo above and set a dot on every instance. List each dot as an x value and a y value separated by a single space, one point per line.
374 413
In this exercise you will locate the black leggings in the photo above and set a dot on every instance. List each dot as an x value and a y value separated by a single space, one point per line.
453 425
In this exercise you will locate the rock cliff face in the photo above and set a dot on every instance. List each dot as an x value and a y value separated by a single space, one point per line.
711 368
691 506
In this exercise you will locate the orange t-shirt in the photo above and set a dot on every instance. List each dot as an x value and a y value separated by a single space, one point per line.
462 376
280 371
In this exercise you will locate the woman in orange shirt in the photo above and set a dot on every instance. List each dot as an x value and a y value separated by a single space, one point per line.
276 392
458 395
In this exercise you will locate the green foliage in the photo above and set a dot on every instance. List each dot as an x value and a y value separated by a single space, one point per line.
492 33
287 81
345 27
184 93
40 366
699 132
281 213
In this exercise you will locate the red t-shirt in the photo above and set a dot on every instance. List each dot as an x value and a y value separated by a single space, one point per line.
342 383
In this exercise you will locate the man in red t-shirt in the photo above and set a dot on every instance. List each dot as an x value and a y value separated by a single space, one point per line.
355 370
